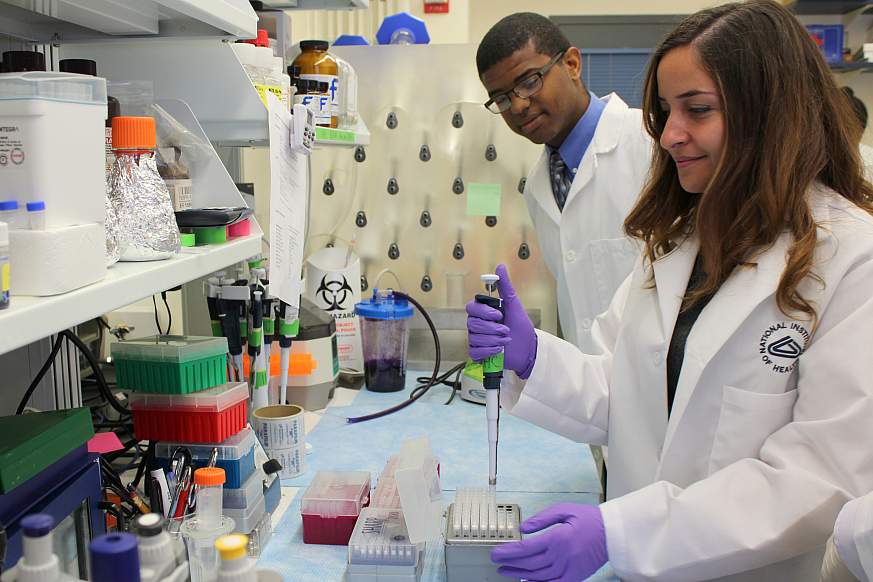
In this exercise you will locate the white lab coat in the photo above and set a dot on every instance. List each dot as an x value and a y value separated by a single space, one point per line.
867 159
853 537
761 450
584 246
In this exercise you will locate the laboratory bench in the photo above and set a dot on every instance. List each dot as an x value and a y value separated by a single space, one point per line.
536 468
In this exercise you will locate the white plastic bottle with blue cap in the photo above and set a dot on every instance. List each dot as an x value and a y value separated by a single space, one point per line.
38 563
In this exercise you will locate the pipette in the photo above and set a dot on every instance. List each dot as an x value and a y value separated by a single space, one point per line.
287 325
260 391
492 375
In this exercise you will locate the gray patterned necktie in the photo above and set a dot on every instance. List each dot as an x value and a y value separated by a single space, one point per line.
558 176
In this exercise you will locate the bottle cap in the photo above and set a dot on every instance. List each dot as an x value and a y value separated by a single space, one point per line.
323 86
209 476
381 306
80 66
232 547
263 38
37 525
148 525
35 206
315 45
133 133
23 61
114 557
350 40
8 205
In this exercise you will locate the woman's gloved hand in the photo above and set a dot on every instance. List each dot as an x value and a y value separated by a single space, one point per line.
515 336
572 549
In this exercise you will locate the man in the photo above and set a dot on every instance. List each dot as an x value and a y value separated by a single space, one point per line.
590 173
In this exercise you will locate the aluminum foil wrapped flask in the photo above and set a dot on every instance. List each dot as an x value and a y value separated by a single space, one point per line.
146 227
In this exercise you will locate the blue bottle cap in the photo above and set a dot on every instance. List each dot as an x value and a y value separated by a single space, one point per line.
350 40
8 205
37 525
384 307
114 558
35 206
402 28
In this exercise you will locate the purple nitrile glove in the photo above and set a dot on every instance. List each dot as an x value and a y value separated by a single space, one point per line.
571 551
515 336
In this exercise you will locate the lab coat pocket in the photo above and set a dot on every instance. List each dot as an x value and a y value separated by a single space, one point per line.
612 259
745 421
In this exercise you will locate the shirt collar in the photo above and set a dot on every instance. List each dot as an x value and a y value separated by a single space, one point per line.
580 137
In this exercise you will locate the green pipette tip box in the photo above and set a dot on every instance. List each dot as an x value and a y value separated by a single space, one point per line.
170 364
31 442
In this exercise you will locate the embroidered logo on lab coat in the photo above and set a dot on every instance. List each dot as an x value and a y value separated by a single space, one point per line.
781 345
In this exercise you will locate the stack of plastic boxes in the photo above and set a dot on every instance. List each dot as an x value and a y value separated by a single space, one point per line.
389 538
182 399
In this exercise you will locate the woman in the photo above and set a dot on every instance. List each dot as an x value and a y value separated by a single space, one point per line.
733 380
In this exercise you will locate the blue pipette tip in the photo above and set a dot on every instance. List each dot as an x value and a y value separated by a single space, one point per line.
37 525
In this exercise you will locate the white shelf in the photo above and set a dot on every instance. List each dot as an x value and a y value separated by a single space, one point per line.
317 4
29 319
328 136
62 21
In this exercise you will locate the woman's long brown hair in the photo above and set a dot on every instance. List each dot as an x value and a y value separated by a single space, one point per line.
787 125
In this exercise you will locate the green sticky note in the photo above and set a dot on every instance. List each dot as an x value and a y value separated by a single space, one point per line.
483 199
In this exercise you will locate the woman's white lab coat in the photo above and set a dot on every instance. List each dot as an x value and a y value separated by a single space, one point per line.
584 246
763 445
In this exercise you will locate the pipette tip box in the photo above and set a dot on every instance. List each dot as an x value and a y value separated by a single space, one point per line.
380 548
210 416
331 506
236 455
475 525
170 364
246 519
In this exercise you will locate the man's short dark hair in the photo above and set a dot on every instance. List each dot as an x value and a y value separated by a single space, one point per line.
513 33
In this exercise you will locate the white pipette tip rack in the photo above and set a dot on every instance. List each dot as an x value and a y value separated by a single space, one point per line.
475 515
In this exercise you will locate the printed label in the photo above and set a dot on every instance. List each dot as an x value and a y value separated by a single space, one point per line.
180 193
13 152
107 146
264 89
318 104
332 90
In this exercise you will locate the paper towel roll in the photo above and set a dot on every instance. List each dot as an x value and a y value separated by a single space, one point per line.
50 262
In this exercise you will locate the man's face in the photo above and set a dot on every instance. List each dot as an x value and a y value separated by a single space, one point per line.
549 115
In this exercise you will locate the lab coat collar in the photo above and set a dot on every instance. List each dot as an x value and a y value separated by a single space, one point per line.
606 138
739 295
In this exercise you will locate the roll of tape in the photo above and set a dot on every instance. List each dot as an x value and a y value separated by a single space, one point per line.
279 426
293 461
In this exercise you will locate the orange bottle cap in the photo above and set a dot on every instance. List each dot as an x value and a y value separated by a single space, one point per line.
209 476
133 133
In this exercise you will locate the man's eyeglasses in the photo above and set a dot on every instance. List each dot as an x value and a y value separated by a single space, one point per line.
525 89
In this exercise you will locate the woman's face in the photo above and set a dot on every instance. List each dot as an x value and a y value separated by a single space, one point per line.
694 132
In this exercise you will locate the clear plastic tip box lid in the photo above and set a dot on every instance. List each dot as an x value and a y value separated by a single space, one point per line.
169 348
212 400
65 87
232 449
381 539
335 493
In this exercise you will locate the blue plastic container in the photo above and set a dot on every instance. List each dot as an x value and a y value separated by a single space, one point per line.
829 38
236 456
273 494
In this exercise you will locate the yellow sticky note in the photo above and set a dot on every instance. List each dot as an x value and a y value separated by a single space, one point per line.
483 199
